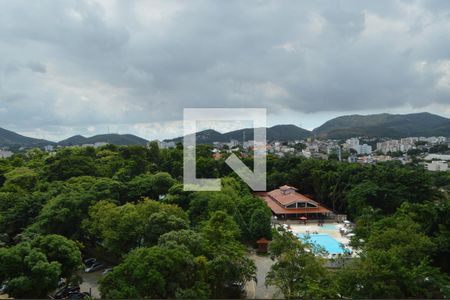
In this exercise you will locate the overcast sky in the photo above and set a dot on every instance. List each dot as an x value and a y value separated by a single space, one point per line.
81 67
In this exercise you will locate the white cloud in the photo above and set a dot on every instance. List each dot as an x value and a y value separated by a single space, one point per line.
74 65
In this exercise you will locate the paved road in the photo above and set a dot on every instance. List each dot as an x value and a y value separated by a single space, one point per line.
90 283
258 290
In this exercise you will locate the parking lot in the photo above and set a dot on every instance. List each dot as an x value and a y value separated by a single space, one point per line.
90 283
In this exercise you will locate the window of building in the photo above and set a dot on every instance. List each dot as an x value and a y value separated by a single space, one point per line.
291 206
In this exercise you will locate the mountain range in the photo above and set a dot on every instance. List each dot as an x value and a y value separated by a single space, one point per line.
14 140
384 125
278 132
377 125
11 139
116 139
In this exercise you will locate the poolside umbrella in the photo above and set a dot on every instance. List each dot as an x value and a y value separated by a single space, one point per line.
303 218
347 222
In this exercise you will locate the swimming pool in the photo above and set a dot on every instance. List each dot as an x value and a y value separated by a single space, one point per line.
329 227
325 241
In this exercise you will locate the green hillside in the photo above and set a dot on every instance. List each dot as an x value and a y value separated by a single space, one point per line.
384 125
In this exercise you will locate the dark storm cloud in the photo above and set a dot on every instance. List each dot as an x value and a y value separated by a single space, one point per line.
89 63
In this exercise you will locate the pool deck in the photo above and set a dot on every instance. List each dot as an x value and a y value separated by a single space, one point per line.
311 227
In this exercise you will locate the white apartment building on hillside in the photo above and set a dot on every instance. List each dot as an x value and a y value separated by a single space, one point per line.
437 165
353 143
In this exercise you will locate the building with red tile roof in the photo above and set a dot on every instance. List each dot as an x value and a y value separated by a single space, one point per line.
286 202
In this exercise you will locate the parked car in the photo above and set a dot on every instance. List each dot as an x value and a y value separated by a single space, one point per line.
61 282
65 291
89 261
78 295
107 270
94 267
3 288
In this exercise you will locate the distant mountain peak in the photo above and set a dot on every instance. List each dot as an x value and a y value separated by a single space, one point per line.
111 138
11 139
384 125
277 132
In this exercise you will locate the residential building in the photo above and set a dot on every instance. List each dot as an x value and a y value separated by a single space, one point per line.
5 153
235 143
437 165
306 153
99 144
49 148
166 144
437 157
353 143
364 149
388 146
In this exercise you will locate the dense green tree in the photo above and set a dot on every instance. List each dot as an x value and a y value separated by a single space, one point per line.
122 228
156 273
117 228
49 193
137 161
63 214
160 223
361 197
394 263
260 224
176 195
171 161
153 150
108 161
28 272
207 167
32 270
434 220
297 273
17 212
190 239
440 148
228 267
140 186
149 185
162 182
221 230
22 177
69 163
60 249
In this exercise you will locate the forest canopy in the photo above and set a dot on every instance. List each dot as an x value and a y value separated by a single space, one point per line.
126 205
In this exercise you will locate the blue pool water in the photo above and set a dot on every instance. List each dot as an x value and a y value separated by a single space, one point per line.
324 240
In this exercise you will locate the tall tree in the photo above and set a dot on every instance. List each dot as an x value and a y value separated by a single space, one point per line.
28 272
297 273
394 263
156 273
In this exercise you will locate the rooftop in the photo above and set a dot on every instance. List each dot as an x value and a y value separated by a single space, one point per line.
286 196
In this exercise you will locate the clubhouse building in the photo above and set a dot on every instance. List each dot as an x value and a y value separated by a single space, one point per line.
286 203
